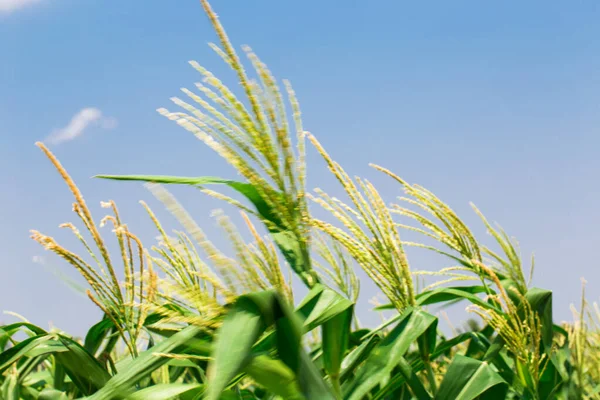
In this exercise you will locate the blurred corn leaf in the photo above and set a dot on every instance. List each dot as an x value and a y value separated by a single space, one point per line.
123 383
292 247
168 391
468 379
252 315
389 353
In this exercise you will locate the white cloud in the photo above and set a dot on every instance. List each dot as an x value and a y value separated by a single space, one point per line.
79 123
11 5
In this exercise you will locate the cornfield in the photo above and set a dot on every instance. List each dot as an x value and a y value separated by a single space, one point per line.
183 319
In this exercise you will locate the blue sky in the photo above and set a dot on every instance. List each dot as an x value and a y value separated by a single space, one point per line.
492 102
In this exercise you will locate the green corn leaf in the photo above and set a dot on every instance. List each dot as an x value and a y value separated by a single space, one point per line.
491 352
13 354
120 385
50 346
442 348
446 295
59 376
243 325
552 379
336 334
320 305
246 189
449 294
494 348
26 367
8 331
10 387
333 312
84 369
412 380
384 307
389 353
560 330
40 377
406 374
358 355
167 391
325 307
275 376
427 340
52 394
18 326
292 247
235 395
96 335
468 379
541 302
251 315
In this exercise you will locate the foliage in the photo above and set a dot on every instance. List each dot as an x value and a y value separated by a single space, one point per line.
188 321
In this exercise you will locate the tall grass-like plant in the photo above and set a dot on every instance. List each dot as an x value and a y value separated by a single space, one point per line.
119 301
184 319
254 135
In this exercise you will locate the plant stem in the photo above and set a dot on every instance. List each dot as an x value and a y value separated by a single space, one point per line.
431 377
337 388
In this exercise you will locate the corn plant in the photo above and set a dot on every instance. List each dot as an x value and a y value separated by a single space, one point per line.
184 319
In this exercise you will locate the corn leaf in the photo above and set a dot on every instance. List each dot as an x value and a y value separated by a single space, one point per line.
467 379
541 302
96 335
121 384
251 315
388 354
274 375
52 394
358 355
83 369
167 391
292 248
10 387
449 294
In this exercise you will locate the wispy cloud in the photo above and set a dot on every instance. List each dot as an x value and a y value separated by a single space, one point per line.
11 5
80 122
